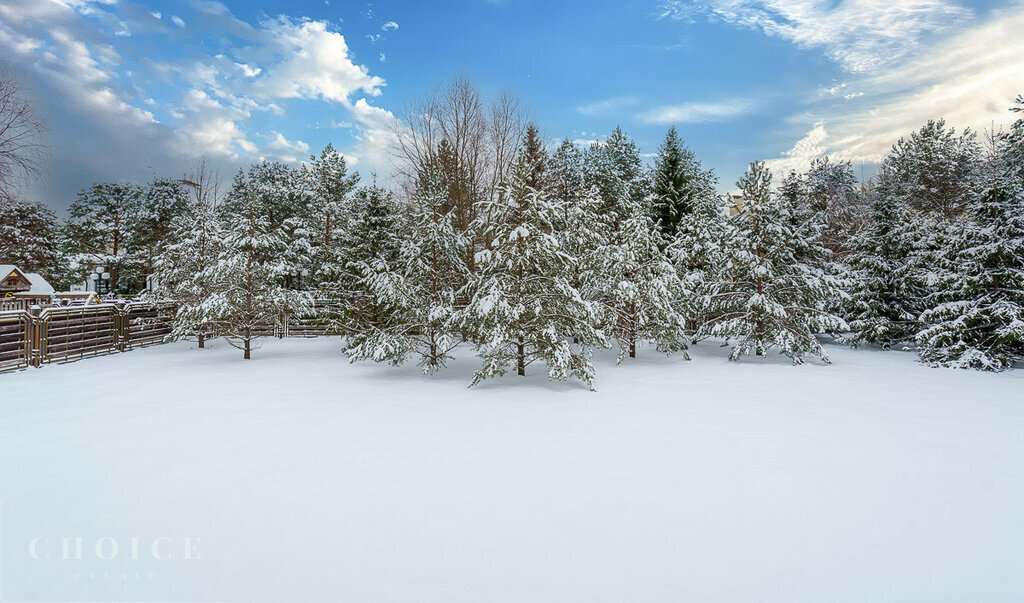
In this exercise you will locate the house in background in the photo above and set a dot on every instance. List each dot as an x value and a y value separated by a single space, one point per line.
735 204
13 280
21 290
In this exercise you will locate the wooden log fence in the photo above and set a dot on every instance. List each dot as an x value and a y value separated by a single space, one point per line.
40 336
35 335
15 339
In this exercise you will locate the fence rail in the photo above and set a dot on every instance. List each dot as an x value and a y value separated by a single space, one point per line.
56 333
15 339
33 337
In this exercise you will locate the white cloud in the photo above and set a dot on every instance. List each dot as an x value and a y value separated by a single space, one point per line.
249 71
383 58
698 112
969 79
858 34
389 26
606 105
286 150
78 59
90 89
217 136
314 62
376 136
17 42
198 100
800 155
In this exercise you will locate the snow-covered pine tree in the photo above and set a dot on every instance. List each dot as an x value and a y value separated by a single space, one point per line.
523 307
614 169
419 289
368 247
102 221
834 197
765 297
565 175
924 185
28 236
934 170
580 228
697 252
677 184
328 185
249 300
301 253
981 325
278 191
583 237
641 293
185 270
534 154
806 224
160 204
888 293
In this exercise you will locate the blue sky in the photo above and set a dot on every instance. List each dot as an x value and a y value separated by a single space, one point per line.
136 88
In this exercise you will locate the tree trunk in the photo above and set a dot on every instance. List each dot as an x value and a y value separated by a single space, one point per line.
521 357
632 349
246 353
202 341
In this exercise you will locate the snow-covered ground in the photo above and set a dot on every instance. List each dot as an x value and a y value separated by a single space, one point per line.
299 477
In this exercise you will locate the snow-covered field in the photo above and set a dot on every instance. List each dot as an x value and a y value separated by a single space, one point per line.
299 477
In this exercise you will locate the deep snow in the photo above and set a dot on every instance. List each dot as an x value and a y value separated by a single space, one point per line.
300 477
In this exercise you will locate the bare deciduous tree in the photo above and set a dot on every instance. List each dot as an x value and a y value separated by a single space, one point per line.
204 184
482 135
21 146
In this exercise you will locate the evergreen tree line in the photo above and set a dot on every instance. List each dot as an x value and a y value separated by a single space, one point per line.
120 226
549 254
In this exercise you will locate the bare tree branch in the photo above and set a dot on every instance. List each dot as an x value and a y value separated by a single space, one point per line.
21 146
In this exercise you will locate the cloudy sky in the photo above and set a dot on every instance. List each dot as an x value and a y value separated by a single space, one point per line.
130 89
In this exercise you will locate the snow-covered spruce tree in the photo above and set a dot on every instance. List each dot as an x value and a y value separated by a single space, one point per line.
523 307
765 297
368 247
981 325
641 293
185 269
249 300
677 184
418 289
